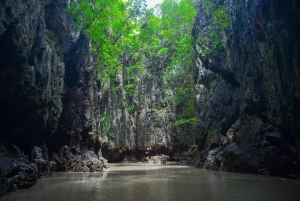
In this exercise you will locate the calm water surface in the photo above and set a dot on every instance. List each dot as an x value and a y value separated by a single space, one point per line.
139 182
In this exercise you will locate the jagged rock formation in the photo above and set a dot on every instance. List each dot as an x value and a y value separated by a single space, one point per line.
39 156
144 131
15 169
248 93
85 162
161 159
48 90
31 75
49 86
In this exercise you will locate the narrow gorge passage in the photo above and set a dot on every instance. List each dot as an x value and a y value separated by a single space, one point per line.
211 84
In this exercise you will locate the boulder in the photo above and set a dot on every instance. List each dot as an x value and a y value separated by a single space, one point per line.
160 159
85 161
15 169
42 163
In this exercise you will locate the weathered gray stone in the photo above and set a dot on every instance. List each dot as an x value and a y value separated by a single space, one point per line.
40 159
15 169
161 159
248 92
83 162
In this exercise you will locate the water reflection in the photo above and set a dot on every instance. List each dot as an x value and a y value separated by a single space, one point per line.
138 182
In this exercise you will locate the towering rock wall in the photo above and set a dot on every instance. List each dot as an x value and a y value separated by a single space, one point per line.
48 92
146 127
248 92
47 81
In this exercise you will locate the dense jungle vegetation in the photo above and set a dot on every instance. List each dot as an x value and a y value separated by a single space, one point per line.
125 35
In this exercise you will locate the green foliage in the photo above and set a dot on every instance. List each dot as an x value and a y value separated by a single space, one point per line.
130 108
161 112
219 15
111 136
112 26
169 36
149 33
54 37
184 93
221 21
177 20
130 79
184 121
124 35
48 49
162 51
105 121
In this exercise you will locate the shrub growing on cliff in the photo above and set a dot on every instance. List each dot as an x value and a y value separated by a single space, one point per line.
220 22
112 27
177 23
105 122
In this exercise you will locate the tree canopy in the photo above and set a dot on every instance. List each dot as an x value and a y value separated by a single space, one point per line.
125 30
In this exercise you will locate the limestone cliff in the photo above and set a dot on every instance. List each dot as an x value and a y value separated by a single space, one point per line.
248 92
47 81
48 92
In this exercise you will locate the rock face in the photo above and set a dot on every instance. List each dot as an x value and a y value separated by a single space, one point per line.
48 85
15 169
248 92
85 162
161 159
31 75
49 91
40 158
144 123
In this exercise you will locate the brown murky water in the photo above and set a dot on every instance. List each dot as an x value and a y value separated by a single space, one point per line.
138 182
